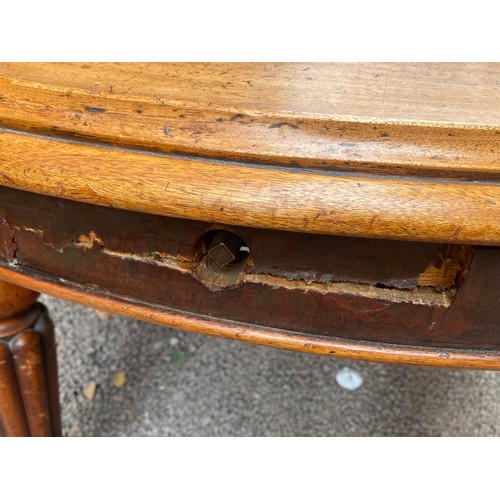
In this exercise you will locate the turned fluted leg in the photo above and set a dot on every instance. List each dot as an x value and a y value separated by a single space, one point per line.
29 395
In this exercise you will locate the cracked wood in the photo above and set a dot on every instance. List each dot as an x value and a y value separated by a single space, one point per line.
412 293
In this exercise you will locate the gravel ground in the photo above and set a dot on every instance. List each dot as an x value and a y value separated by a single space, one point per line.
173 383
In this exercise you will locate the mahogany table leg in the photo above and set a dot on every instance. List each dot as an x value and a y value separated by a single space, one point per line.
29 394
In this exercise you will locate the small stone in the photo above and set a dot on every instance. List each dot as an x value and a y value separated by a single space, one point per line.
157 346
102 314
349 379
173 341
89 391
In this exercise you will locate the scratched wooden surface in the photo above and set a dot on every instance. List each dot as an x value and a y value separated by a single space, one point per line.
385 151
316 287
431 129
374 289
380 207
431 118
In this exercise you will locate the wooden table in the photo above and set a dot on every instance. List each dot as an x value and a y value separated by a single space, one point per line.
339 209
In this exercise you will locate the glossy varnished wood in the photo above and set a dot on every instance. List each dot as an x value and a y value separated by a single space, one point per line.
14 299
27 352
29 399
12 416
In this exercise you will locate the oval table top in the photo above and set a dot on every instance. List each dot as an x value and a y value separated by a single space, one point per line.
400 151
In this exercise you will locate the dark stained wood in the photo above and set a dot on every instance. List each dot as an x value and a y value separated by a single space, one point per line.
7 242
58 225
481 359
352 290
332 286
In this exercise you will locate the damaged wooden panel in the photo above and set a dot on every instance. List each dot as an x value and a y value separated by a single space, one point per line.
358 289
8 245
295 256
446 271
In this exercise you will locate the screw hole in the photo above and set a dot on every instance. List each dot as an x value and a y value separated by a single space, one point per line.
224 259
225 248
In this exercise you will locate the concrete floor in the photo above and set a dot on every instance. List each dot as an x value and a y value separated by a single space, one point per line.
185 384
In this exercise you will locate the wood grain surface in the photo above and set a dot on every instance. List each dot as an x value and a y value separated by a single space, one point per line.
29 395
399 151
389 151
442 119
29 363
13 420
14 299
286 199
